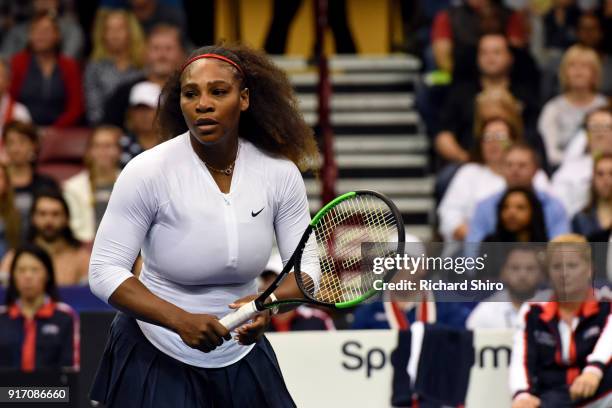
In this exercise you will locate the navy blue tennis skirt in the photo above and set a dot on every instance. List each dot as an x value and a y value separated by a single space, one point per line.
134 373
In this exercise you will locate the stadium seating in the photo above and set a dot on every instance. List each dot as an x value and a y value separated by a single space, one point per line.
62 150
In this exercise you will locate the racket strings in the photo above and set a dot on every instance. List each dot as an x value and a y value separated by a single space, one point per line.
346 274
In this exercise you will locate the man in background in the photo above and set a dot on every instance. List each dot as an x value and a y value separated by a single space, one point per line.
49 229
164 54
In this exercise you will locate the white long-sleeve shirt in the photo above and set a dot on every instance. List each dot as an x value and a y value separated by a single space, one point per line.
571 183
473 183
202 249
560 122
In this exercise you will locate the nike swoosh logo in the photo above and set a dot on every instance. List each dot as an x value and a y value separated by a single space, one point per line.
255 214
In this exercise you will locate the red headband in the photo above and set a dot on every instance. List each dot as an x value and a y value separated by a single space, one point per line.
216 56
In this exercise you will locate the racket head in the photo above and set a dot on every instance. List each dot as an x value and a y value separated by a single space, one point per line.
350 231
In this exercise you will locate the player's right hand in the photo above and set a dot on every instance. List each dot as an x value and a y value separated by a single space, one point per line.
202 331
526 401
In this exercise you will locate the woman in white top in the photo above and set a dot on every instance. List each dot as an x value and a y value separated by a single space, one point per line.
497 124
204 207
571 182
562 116
477 179
87 193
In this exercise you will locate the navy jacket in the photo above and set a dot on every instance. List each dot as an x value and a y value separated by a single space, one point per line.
49 340
547 356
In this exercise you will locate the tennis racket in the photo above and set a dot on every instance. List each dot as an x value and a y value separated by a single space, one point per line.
338 248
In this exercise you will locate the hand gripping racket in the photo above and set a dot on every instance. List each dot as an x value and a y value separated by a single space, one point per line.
333 262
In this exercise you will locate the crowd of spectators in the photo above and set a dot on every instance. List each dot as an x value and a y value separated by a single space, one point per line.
538 78
517 103
101 80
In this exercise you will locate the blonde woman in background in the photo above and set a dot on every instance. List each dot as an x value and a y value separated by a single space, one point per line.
117 57
88 192
562 116
562 348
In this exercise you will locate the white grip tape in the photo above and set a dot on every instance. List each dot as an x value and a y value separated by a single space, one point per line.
237 318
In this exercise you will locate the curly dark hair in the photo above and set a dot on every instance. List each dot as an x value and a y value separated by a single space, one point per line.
537 226
272 122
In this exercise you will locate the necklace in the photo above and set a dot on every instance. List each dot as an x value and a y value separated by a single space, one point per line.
227 171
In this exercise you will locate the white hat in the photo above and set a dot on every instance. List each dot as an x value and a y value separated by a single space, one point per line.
145 93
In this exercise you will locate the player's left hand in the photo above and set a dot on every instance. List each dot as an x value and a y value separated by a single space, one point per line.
250 332
584 385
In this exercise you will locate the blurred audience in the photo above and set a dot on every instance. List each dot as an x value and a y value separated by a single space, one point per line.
117 57
560 25
13 13
10 220
397 314
164 53
572 180
21 142
520 217
605 14
88 192
521 273
597 215
520 168
10 109
50 229
456 32
562 349
150 13
142 134
580 77
37 331
399 309
483 174
46 81
590 34
70 34
456 122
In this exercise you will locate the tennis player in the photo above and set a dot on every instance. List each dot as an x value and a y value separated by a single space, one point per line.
203 207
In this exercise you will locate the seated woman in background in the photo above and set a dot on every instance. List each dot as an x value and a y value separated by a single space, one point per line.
497 113
519 218
563 347
562 116
117 57
597 215
10 220
21 144
88 192
36 330
572 180
48 83
478 179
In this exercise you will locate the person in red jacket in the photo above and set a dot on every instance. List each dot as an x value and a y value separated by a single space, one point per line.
48 83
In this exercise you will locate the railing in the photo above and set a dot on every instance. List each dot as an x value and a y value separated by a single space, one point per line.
329 170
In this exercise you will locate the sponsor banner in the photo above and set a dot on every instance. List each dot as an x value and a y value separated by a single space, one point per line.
353 369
